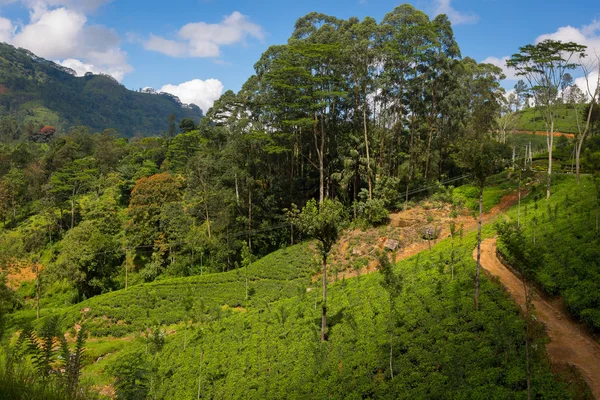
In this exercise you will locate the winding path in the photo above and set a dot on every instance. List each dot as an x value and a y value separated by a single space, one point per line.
569 342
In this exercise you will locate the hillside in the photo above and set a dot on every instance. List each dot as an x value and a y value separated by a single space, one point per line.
531 119
40 91
205 334
558 244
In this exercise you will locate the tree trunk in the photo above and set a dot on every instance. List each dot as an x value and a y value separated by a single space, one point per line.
324 308
527 335
550 143
597 211
73 207
37 290
237 191
478 267
319 150
391 355
519 206
200 374
369 181
249 218
452 259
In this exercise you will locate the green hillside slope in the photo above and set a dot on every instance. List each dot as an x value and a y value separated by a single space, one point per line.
40 91
281 274
532 119
201 333
559 244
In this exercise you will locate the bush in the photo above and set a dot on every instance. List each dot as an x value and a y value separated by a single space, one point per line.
373 212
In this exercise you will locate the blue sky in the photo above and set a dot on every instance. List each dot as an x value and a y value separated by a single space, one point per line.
198 48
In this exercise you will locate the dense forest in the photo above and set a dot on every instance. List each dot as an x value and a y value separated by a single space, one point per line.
35 93
205 247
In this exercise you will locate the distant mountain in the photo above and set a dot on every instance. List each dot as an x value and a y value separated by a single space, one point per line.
36 90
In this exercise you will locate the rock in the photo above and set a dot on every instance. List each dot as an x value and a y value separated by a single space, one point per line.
391 244
430 233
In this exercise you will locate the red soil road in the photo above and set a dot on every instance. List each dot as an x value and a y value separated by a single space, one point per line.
569 341
543 133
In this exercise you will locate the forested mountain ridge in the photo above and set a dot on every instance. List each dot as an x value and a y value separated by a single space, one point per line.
35 92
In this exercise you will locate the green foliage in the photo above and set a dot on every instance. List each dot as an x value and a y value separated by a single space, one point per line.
322 222
88 259
373 212
132 375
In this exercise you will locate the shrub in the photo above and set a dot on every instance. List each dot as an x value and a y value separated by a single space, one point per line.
373 212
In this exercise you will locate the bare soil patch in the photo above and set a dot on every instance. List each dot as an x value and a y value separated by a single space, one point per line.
356 252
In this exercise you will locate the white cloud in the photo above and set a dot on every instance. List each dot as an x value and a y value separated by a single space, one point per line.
81 68
456 17
199 92
588 87
52 34
62 33
6 29
587 35
501 62
79 5
200 39
166 46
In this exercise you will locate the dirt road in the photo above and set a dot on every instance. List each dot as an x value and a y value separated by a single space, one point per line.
569 342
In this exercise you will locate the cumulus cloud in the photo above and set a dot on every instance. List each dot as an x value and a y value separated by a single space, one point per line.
589 86
6 29
456 17
199 92
62 33
81 68
165 46
53 34
200 39
588 35
79 5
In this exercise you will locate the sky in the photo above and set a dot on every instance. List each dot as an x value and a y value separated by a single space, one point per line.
197 49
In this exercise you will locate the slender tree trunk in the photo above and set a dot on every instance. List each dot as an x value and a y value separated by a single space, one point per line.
37 289
527 335
391 355
319 150
550 143
519 206
73 210
237 191
369 181
452 259
478 267
200 375
249 218
597 210
324 308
